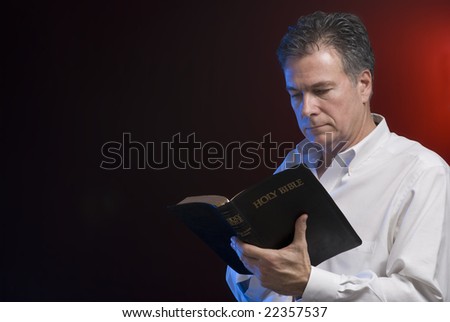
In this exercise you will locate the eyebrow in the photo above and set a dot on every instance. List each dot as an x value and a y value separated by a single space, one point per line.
313 86
291 88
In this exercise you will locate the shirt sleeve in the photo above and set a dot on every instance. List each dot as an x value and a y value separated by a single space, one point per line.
418 264
247 288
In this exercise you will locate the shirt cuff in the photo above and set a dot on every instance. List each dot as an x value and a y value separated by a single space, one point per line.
322 286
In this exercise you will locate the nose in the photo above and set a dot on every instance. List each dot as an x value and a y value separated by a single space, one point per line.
308 107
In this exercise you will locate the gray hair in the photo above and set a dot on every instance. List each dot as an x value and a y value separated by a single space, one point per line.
342 31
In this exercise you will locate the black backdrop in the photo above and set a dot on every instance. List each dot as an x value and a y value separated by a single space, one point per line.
80 74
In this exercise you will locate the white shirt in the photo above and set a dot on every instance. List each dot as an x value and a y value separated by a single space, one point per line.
396 195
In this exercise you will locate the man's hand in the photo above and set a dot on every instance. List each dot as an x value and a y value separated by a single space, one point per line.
285 271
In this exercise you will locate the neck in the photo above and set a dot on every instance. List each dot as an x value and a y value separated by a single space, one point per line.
330 152
366 127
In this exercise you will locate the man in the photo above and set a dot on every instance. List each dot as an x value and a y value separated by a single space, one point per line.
394 192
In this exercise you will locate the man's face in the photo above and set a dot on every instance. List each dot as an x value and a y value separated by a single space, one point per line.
326 100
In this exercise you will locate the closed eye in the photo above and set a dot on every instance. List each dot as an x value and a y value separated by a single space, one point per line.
297 95
322 91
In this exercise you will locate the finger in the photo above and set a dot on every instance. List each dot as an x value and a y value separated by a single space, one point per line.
235 247
249 263
245 250
300 230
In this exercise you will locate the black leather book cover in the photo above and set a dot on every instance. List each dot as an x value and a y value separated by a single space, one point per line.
265 214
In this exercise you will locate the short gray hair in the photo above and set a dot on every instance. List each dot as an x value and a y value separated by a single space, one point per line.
344 32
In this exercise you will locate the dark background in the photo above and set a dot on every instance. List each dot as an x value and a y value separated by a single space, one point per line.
79 74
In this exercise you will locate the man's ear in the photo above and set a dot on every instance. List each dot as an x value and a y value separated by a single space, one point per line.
365 85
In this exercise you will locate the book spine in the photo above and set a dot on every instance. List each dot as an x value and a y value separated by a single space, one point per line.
238 222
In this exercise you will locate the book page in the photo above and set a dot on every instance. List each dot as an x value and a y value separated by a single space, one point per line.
210 199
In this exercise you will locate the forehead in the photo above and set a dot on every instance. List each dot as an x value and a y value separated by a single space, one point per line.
322 65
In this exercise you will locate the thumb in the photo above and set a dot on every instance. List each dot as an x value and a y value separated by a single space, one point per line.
300 230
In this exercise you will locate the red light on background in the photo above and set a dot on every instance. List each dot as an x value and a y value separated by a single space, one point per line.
412 74
445 71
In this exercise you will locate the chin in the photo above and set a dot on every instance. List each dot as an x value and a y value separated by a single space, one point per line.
321 140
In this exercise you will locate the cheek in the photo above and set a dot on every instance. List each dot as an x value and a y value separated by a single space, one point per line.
302 121
341 109
344 119
297 108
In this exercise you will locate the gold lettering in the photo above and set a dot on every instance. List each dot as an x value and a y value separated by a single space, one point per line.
272 195
283 189
261 201
235 220
244 233
257 203
291 186
265 199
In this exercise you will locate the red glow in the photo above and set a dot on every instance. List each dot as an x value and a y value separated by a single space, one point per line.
412 77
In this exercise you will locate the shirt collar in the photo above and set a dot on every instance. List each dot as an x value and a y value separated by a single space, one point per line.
364 149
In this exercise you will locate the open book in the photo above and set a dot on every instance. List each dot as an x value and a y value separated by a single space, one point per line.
264 215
